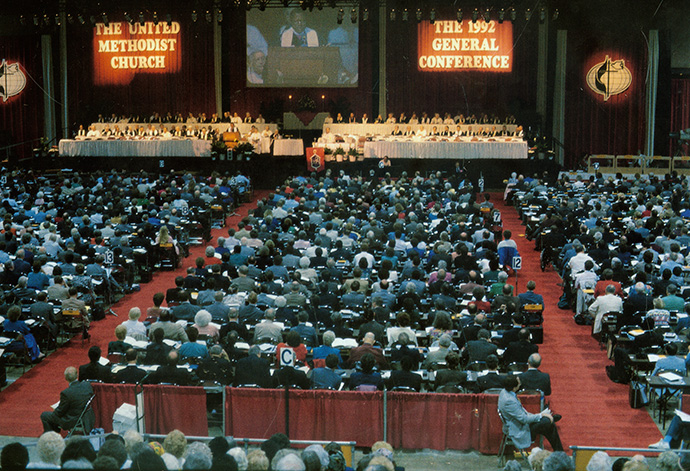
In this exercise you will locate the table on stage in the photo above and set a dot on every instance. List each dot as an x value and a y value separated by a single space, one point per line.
288 147
135 148
446 149
220 128
384 129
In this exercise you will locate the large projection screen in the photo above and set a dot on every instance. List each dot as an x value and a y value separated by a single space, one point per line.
291 47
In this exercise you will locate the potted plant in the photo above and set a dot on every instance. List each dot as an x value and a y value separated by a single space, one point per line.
218 148
339 153
244 148
352 154
328 154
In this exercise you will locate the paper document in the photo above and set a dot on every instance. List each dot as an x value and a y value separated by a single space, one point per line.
103 361
672 377
683 416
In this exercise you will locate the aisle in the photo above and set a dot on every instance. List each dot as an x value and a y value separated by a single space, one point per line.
22 402
595 410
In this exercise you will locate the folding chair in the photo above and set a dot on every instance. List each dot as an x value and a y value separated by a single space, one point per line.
507 441
72 315
86 420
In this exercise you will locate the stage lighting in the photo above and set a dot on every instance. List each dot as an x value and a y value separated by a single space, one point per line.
155 18
475 15
142 20
513 15
35 20
303 4
70 18
353 15
168 19
405 15
365 15
458 15
418 15
22 20
129 18
528 14
341 15
81 19
554 16
46 20
542 15
432 16
501 15
92 20
219 16
104 17
57 19
209 17
487 15
249 5
195 16
392 14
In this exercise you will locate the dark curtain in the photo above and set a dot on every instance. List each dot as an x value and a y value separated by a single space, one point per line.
273 102
680 110
108 398
175 407
410 90
190 89
595 126
21 116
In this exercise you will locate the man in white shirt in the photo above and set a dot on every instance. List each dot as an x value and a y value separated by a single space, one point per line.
93 133
577 263
603 305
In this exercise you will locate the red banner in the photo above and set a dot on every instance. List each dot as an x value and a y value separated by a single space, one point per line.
316 161
122 50
449 46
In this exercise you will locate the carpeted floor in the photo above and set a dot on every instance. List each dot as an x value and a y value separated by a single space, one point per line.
595 410
22 402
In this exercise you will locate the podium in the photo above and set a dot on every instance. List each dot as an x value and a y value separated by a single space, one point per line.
302 66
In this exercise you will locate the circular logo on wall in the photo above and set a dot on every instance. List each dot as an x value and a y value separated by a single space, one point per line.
609 78
12 80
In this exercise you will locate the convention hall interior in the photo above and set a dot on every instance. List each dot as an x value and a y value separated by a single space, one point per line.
345 234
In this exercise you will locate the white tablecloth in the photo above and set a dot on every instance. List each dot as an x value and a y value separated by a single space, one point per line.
288 147
143 148
387 129
446 150
222 127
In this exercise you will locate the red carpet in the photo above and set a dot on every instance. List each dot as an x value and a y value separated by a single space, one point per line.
22 402
595 410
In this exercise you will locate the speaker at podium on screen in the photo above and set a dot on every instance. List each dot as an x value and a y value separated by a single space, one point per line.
302 66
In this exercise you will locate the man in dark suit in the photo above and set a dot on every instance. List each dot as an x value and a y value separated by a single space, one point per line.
185 310
370 325
72 403
480 349
492 379
171 295
170 373
637 301
326 378
405 377
157 352
216 367
519 352
253 369
535 379
94 370
131 373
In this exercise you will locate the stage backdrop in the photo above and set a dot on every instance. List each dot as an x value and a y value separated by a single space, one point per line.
140 69
21 97
502 85
605 94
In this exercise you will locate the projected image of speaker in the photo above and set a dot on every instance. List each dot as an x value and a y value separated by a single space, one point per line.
292 47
